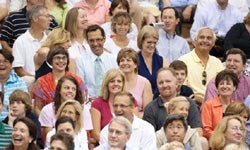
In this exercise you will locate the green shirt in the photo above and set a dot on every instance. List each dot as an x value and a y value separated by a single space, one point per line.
5 135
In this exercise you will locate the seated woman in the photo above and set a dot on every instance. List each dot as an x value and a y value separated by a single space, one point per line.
57 37
118 6
212 110
29 130
44 88
120 25
69 124
230 130
67 88
180 105
20 106
102 107
149 60
137 85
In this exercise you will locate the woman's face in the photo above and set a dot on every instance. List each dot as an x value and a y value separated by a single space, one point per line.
59 62
82 20
115 85
66 45
234 132
69 111
17 109
57 144
68 90
122 28
20 135
226 88
119 8
149 45
181 108
127 64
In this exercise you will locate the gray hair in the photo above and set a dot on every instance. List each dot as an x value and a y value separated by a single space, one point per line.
124 122
203 28
34 11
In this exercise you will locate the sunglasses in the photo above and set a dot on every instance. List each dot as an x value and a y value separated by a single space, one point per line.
204 77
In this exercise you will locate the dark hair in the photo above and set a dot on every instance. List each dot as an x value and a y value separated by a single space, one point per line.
178 65
61 3
32 132
131 53
2 96
55 51
24 97
7 55
115 3
34 11
226 75
64 119
125 93
175 11
175 117
64 138
93 28
57 98
234 51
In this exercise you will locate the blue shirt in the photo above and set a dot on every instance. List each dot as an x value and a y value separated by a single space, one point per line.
220 21
181 3
13 83
171 47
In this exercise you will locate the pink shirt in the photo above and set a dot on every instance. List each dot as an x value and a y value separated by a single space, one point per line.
98 14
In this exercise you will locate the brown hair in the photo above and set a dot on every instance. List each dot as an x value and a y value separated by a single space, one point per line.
178 65
226 75
131 53
24 97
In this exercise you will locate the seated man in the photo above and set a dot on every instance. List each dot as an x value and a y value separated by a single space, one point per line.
143 135
119 132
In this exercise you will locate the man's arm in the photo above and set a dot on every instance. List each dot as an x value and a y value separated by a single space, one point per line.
6 46
21 72
4 11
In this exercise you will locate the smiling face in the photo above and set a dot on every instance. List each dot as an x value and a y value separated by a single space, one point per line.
117 136
123 107
234 62
127 65
170 21
122 28
66 45
20 135
204 41
96 42
68 90
5 67
82 20
59 62
115 85
149 45
234 132
175 131
226 88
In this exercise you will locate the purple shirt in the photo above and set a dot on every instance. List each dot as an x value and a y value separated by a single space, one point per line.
240 94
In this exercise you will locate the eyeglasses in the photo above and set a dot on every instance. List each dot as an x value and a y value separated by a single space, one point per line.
121 106
58 58
91 41
204 77
47 16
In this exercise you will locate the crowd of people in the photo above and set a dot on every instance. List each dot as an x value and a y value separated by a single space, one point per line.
118 74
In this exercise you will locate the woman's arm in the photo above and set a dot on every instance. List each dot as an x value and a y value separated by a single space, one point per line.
165 62
147 96
96 121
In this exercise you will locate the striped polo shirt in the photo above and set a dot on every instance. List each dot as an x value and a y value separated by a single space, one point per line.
5 135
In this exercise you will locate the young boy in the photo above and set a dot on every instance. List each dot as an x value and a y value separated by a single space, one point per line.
181 73
5 130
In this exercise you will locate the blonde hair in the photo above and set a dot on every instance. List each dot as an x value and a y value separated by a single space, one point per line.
172 104
78 110
217 139
234 146
172 146
110 75
55 37
146 32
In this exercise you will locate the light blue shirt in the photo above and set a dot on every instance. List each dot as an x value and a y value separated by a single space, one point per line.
220 21
13 83
85 68
181 3
247 102
171 47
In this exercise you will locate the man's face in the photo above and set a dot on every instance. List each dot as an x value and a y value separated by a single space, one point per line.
175 131
234 62
43 20
204 40
35 2
117 136
5 67
122 106
167 84
169 19
222 3
96 42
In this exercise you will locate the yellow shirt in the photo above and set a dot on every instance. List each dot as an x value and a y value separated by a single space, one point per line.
195 69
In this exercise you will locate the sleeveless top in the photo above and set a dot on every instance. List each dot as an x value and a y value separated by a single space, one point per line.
43 70
137 91
157 63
